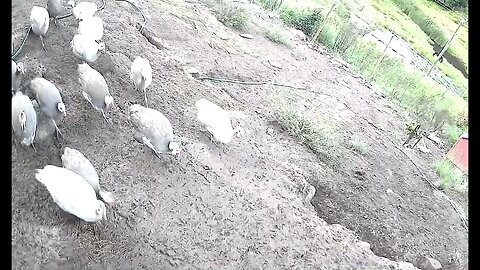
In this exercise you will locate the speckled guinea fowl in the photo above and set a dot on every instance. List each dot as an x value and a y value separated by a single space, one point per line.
94 88
75 161
72 193
86 48
49 99
40 20
84 10
154 130
91 27
17 76
141 75
55 8
216 120
24 119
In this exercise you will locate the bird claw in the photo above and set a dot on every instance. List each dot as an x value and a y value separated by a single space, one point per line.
156 154
104 117
43 44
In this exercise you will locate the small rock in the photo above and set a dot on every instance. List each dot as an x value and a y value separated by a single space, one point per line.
192 71
247 36
270 131
389 191
427 263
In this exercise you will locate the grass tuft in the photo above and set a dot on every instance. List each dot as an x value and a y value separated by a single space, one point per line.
359 146
276 35
320 140
449 177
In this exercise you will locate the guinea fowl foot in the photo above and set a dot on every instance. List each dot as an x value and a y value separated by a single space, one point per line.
43 44
212 139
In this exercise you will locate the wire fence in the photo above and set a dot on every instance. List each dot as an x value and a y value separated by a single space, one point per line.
401 49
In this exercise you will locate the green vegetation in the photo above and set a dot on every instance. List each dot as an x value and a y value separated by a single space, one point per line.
421 22
449 177
453 133
276 35
270 4
427 100
320 139
359 146
230 14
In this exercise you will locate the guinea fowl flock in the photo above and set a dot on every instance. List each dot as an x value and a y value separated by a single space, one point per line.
75 186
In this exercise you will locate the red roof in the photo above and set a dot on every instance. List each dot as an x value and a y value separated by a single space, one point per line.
458 154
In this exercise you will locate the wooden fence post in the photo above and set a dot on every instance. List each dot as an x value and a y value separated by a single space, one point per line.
317 33
380 59
446 46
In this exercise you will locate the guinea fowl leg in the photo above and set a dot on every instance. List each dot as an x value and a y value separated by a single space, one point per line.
43 44
56 128
33 146
149 144
104 116
145 94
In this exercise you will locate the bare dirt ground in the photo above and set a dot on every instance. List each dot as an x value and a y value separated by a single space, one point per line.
245 205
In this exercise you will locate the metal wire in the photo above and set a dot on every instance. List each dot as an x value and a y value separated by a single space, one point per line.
139 10
17 52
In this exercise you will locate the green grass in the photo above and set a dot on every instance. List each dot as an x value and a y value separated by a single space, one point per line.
413 91
320 139
453 133
449 178
230 14
359 146
421 97
276 35
425 22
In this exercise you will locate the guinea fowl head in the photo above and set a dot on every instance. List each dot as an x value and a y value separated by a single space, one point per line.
61 108
101 46
108 101
20 68
101 211
71 4
174 147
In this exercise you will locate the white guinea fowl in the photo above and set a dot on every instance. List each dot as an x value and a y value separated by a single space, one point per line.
39 20
154 130
84 10
24 119
72 193
141 75
91 27
75 161
86 48
216 120
94 88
